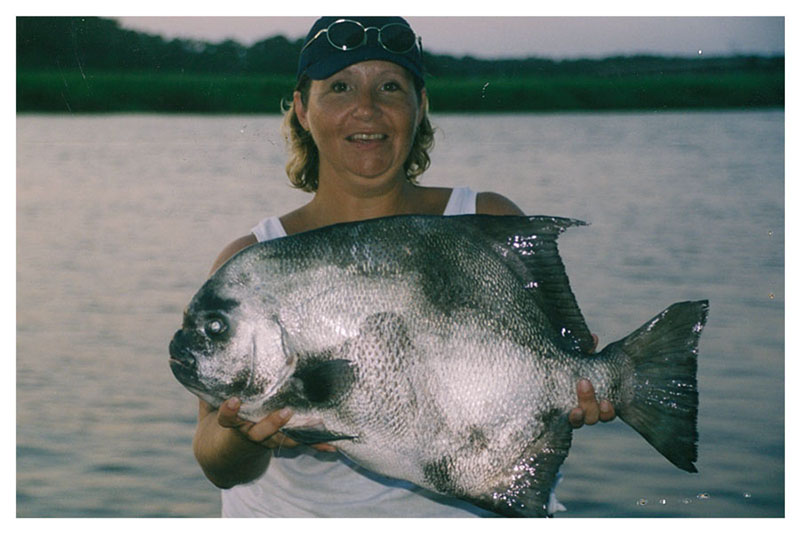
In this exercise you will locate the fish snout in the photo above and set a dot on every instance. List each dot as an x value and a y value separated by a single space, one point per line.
181 359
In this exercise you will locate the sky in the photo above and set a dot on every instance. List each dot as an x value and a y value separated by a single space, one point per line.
554 37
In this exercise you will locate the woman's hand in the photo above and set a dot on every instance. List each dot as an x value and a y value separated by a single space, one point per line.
266 431
589 410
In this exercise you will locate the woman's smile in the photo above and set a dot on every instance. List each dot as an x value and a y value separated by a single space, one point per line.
367 137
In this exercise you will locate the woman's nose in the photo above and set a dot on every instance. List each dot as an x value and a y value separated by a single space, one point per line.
366 105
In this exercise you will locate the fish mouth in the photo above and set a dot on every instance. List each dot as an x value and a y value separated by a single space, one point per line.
180 366
182 361
183 364
184 372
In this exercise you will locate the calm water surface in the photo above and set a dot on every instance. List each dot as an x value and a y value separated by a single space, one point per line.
119 219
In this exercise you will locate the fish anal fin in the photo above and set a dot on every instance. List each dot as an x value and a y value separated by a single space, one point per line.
526 490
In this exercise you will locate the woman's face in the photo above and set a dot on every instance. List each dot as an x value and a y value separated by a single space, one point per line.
363 120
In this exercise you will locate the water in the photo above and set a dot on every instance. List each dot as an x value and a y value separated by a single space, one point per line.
120 217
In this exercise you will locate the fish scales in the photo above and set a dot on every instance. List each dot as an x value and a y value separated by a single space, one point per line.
439 350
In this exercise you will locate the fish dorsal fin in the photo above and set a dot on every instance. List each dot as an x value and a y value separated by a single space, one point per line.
529 246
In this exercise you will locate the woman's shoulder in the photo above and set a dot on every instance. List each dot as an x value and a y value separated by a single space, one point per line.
230 250
430 200
486 203
491 203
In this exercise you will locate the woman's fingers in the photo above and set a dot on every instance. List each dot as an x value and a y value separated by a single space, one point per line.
266 430
227 415
589 410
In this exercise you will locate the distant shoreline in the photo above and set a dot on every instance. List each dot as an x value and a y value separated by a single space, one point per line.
106 92
92 65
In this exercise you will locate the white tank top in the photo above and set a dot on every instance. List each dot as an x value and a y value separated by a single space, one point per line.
462 202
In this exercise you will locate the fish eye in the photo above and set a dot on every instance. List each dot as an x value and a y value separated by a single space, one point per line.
215 327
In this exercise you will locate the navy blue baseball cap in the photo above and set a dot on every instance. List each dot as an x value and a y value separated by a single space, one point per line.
334 43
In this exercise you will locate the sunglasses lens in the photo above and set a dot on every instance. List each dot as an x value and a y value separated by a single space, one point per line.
346 34
397 38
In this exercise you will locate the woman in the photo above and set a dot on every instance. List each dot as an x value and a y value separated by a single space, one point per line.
359 133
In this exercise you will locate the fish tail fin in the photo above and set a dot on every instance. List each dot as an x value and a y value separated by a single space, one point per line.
663 404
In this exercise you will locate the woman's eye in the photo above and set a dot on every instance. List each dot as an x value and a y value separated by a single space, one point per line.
391 86
339 87
215 326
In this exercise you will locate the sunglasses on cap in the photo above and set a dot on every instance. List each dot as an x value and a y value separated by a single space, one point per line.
346 34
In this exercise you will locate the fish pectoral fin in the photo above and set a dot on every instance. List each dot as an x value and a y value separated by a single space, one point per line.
528 491
323 381
313 435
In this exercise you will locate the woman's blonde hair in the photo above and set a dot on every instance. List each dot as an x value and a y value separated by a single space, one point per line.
303 165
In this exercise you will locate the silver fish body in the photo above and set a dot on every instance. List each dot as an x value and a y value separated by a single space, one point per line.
439 350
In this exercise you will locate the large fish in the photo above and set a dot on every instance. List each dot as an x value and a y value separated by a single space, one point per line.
439 350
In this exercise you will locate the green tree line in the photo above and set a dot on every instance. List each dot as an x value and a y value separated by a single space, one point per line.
91 64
